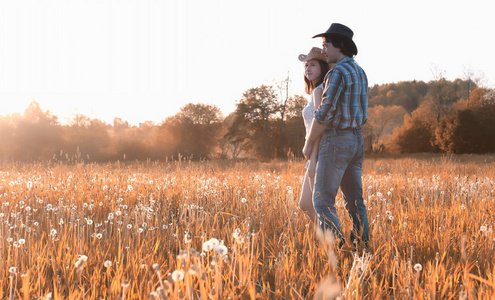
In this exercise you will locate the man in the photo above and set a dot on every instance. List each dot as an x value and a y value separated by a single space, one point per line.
343 110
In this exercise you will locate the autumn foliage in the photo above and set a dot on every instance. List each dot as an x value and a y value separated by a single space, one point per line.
405 117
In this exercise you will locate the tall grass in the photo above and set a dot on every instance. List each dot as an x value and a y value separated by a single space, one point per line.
184 230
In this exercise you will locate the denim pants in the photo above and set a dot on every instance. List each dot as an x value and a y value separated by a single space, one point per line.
340 163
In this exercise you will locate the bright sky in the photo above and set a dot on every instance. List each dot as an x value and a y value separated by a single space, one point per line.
143 60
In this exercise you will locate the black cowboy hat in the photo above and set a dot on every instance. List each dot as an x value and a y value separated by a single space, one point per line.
340 30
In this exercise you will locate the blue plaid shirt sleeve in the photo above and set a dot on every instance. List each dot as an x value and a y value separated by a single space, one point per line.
333 88
345 96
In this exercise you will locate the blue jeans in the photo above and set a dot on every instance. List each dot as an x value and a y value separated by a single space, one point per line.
340 163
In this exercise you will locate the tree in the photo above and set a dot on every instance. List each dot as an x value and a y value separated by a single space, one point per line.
284 84
468 131
251 127
196 129
381 121
296 131
417 132
87 139
36 135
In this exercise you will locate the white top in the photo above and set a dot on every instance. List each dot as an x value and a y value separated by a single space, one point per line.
308 112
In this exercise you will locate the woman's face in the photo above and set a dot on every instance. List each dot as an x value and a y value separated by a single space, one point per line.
312 70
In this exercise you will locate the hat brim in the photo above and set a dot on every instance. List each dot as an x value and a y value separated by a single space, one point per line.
352 44
304 57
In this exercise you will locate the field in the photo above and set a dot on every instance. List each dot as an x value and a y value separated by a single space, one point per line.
220 230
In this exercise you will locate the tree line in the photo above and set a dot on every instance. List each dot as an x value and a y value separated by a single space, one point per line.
405 117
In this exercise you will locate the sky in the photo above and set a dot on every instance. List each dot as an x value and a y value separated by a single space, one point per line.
143 60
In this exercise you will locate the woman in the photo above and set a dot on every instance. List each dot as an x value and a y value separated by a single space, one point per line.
315 69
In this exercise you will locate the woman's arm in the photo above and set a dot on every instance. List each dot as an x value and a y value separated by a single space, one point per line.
317 95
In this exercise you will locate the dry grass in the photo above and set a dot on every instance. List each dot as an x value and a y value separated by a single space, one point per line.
183 230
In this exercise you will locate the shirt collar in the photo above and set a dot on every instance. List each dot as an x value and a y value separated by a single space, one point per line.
344 60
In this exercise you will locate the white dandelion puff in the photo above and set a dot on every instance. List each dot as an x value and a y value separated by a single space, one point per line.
236 233
483 228
187 238
107 264
207 246
418 267
177 275
156 267
221 250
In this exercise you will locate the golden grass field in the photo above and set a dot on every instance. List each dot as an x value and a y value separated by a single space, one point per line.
220 230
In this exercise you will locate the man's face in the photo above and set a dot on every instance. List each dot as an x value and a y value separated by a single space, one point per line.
331 53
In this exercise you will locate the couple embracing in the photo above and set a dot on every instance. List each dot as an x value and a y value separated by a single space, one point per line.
334 141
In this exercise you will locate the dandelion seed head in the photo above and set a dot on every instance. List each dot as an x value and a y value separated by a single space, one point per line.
13 270
187 238
244 200
207 246
177 275
107 264
22 241
418 267
156 267
483 228
221 250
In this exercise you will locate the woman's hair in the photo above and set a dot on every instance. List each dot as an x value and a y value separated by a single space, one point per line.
341 43
308 84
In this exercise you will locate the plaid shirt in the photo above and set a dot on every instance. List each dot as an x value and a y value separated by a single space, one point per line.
345 96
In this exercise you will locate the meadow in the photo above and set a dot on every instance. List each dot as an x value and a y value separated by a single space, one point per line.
233 230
